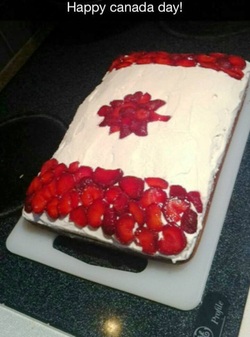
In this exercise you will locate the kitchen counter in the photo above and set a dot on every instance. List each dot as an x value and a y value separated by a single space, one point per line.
37 105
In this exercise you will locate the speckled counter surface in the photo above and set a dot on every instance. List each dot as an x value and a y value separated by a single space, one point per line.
63 71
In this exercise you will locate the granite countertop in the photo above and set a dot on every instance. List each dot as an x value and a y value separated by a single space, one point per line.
35 109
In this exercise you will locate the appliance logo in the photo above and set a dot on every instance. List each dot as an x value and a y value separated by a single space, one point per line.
203 331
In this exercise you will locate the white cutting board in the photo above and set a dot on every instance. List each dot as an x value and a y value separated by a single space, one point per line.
179 286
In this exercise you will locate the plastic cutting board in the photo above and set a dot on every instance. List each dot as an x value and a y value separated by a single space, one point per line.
179 286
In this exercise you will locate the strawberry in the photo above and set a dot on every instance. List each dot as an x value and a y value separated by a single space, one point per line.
105 177
112 193
173 242
125 229
83 172
96 212
153 195
49 165
189 221
73 167
34 186
237 61
154 117
46 177
174 208
136 211
146 239
91 193
38 203
59 169
52 209
68 202
132 186
64 183
156 182
109 222
78 216
178 192
153 217
121 203
195 198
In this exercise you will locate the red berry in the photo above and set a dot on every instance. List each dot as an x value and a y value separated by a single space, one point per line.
178 192
52 208
189 221
195 198
83 172
96 212
38 203
153 195
154 217
64 183
109 222
237 61
91 193
121 203
78 216
147 239
125 229
174 208
132 186
60 169
49 165
173 242
156 182
105 177
34 186
137 212
112 193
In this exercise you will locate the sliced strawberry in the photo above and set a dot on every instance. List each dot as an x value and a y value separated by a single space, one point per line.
195 198
109 221
67 202
136 211
147 239
38 203
121 203
125 229
96 212
52 209
189 221
78 216
174 208
64 183
34 186
83 172
60 169
91 193
112 193
105 177
156 182
132 186
237 61
73 167
49 165
46 177
154 217
153 195
178 192
28 204
173 242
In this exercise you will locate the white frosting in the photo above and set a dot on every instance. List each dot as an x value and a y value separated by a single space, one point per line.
187 150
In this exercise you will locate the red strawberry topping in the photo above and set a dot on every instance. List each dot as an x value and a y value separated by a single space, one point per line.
132 114
106 178
173 241
230 64
189 221
78 216
125 229
147 239
132 186
154 218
